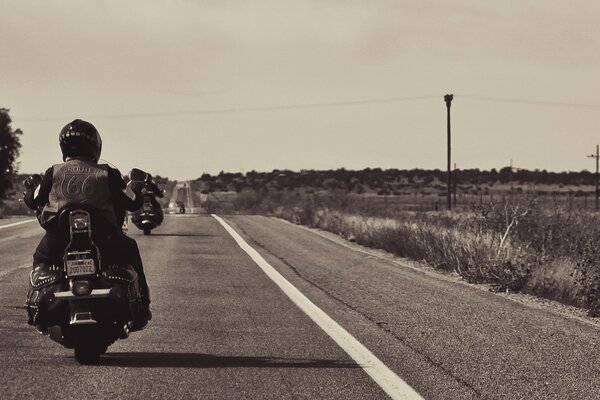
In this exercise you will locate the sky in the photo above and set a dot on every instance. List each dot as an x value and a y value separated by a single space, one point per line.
183 87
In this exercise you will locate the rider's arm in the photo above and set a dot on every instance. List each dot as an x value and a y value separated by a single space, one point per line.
31 200
118 196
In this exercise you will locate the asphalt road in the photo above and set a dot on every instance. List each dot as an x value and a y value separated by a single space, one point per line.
222 329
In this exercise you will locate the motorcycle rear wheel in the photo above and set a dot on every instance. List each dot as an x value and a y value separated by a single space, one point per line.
147 231
88 354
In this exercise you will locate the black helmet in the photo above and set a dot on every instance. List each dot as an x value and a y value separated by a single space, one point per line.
80 139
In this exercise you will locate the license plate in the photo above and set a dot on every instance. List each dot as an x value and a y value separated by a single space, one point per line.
81 267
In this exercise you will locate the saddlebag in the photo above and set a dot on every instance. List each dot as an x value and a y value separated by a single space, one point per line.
124 275
120 273
44 281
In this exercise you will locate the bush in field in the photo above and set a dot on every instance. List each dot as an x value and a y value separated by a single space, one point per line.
13 207
247 200
477 257
566 244
587 272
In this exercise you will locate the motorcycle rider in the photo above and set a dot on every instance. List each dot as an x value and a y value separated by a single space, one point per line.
150 188
81 180
158 192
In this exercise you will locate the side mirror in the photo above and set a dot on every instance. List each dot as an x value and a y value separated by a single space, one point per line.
33 181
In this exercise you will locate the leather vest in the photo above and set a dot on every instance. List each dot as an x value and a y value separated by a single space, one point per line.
79 182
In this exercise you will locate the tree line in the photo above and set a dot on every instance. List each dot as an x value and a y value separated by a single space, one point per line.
386 180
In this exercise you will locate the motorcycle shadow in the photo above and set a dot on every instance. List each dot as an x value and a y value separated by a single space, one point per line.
199 360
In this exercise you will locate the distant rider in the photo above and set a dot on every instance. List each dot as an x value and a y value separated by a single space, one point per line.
80 180
156 191
150 189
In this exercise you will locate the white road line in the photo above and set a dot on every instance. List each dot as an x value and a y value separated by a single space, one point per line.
17 223
190 196
391 383
13 269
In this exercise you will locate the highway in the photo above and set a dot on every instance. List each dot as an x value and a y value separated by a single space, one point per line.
183 192
227 327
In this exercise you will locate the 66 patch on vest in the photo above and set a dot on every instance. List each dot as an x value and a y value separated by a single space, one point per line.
79 182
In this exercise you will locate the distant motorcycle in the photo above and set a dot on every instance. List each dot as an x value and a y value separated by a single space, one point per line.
151 214
84 304
180 207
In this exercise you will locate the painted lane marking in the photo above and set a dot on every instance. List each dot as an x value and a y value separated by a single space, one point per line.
17 223
391 383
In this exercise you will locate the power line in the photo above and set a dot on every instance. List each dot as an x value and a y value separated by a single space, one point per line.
527 101
233 110
238 109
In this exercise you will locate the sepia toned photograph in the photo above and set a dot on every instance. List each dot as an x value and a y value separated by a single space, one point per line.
335 199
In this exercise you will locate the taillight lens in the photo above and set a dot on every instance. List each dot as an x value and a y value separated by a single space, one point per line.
81 288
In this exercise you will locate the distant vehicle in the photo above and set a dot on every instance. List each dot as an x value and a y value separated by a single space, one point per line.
180 207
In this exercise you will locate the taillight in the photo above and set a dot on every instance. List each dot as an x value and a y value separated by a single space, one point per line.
81 288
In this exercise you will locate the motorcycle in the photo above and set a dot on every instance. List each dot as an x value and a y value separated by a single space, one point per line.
84 304
150 215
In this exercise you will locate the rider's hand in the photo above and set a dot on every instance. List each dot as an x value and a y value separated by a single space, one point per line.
136 187
32 184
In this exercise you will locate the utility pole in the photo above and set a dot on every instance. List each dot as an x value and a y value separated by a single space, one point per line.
597 179
510 176
454 184
510 179
448 99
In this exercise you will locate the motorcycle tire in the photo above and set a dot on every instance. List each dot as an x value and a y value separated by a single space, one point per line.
147 231
88 354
